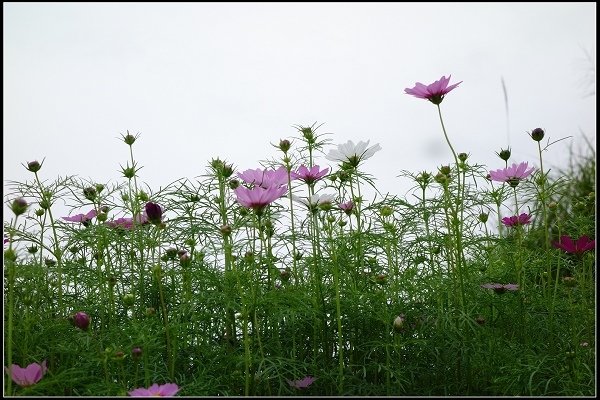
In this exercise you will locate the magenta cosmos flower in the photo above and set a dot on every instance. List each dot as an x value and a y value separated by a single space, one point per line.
311 175
258 197
82 218
302 383
512 174
265 178
434 92
27 376
580 246
166 390
517 220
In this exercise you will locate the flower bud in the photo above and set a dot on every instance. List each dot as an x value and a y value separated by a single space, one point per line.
81 320
154 213
90 193
128 300
504 154
399 323
386 211
143 196
129 139
19 206
285 274
39 212
234 183
284 145
32 249
150 311
226 230
463 156
445 169
33 166
480 320
483 217
537 134
99 187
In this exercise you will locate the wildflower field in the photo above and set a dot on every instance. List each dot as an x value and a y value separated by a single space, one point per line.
286 279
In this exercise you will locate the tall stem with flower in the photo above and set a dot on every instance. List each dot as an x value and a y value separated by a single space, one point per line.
435 93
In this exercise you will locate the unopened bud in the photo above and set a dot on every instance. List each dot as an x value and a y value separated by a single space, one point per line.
537 134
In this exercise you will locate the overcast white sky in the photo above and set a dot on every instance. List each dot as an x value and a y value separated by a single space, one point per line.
204 80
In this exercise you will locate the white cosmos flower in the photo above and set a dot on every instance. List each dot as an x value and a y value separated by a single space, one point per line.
352 153
315 199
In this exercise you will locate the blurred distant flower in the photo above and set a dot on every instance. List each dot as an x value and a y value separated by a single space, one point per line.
265 178
352 154
27 376
500 288
302 383
517 220
154 213
258 197
82 218
583 244
434 92
166 390
347 207
309 176
81 320
512 174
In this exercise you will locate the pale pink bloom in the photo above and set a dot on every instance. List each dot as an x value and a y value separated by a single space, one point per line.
81 217
258 197
434 92
265 178
311 175
347 207
352 153
517 220
302 383
315 200
127 223
516 171
27 376
166 390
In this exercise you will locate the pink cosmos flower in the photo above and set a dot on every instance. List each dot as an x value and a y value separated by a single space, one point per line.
82 218
265 178
27 376
302 383
258 197
512 174
580 246
434 92
500 288
166 390
311 175
515 220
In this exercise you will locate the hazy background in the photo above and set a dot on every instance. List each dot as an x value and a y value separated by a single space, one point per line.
204 80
